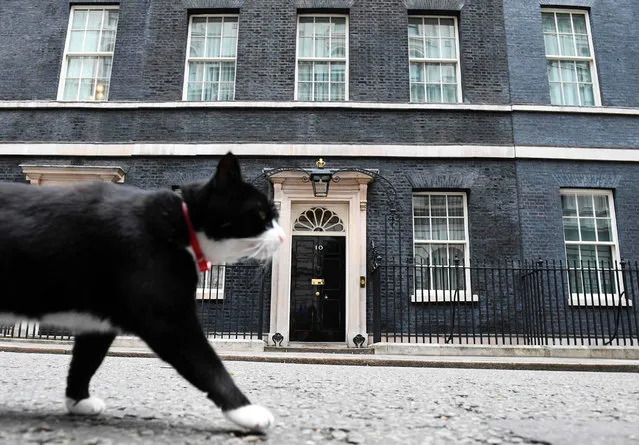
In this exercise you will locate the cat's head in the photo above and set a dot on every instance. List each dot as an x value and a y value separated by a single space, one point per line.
231 217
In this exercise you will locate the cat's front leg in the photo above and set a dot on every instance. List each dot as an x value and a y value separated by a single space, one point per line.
179 340
88 353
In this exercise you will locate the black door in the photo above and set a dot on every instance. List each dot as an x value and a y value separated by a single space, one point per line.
318 288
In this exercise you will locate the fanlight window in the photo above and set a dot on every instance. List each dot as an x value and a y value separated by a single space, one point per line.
318 219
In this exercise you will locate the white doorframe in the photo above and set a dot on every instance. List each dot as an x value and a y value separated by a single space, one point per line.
350 192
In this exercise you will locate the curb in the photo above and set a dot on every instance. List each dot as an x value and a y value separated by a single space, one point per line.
500 363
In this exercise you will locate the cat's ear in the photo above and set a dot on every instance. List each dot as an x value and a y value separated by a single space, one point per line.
228 171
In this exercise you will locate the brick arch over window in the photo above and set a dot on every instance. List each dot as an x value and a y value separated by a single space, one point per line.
318 219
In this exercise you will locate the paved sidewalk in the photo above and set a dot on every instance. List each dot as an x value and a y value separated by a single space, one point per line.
419 361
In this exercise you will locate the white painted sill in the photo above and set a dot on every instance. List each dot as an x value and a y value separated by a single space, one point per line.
209 294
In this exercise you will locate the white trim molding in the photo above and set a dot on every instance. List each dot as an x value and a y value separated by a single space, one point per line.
111 105
66 174
342 150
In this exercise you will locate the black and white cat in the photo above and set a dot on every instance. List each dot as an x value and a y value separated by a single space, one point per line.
105 258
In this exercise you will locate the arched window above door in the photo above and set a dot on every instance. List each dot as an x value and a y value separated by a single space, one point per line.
318 219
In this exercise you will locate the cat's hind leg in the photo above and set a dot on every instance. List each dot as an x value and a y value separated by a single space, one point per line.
181 342
88 353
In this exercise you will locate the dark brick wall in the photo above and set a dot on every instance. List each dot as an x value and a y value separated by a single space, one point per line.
257 125
614 32
576 130
150 49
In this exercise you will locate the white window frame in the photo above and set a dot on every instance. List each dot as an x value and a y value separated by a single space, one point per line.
299 59
66 55
211 293
220 59
426 60
587 298
590 59
441 295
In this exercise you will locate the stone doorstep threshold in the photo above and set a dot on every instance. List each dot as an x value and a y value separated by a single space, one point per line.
543 351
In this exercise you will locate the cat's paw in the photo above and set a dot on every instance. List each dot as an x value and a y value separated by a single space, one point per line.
85 407
251 417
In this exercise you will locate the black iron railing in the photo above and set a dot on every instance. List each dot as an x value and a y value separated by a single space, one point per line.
507 303
231 301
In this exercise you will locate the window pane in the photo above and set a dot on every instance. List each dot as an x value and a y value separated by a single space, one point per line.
416 48
438 205
321 91
305 91
553 71
548 21
107 43
563 23
566 45
338 26
417 93
583 47
440 229
194 91
579 23
433 93
413 26
420 205
91 41
447 27
212 72
556 97
338 47
422 228
568 72
322 26
571 94
226 91
602 208
321 72
457 229
321 47
583 72
569 205
198 27
448 49
213 47
230 27
587 95
214 26
584 202
228 72
433 72
111 21
76 41
79 19
432 48
449 93
588 256
86 89
449 74
605 256
197 47
71 89
572 255
305 48
338 91
196 71
210 91
88 67
430 26
305 72
571 229
104 67
338 72
552 46
588 229
228 47
417 72
95 19
422 252
603 230
73 66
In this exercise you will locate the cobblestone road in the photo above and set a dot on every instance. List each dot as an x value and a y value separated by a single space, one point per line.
148 403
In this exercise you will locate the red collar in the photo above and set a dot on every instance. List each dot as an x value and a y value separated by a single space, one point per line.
202 262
